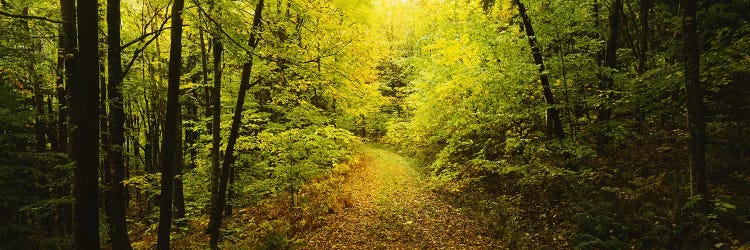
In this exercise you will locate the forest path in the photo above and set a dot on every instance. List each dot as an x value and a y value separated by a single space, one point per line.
392 208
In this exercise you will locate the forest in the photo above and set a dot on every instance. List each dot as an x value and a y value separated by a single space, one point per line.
374 124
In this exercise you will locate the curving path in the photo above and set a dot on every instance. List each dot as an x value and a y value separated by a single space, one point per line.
392 209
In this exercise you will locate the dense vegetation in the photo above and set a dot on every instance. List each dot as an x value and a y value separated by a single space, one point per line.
567 124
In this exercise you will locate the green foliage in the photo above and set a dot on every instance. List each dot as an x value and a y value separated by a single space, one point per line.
448 82
34 185
275 235
476 119
294 156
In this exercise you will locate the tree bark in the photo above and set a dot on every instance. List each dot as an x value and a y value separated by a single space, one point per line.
69 42
86 131
696 107
118 227
234 131
554 123
216 132
169 140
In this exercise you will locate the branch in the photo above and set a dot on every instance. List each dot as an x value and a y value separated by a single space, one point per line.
270 59
135 56
142 48
144 36
2 13
218 26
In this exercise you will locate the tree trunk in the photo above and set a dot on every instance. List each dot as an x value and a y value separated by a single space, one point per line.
62 96
69 42
216 133
86 131
234 131
553 114
207 100
696 108
118 231
610 63
169 141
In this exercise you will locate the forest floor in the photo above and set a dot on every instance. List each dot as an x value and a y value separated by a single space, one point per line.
393 208
380 201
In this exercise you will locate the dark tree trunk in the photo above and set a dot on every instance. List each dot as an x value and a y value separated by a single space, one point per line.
85 101
696 107
118 227
610 63
191 133
234 131
169 141
62 95
610 56
216 133
69 42
644 8
553 114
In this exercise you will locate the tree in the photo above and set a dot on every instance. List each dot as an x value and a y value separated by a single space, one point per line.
169 155
69 41
610 63
118 228
234 131
85 99
695 105
553 114
218 49
215 112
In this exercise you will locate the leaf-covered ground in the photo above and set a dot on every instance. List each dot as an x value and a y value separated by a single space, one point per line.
392 208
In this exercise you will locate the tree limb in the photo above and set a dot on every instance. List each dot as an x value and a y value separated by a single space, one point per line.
2 13
140 50
218 26
144 36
